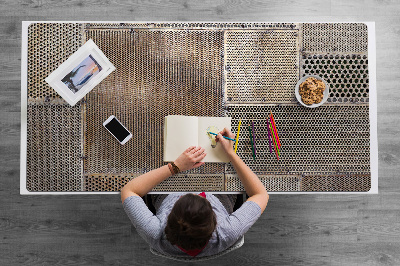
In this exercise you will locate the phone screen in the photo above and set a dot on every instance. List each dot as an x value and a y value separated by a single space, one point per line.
117 129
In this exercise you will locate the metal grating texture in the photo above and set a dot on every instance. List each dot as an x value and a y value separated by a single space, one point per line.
189 182
334 37
325 140
106 182
261 66
189 25
242 70
192 182
288 183
346 74
336 183
54 153
49 45
158 73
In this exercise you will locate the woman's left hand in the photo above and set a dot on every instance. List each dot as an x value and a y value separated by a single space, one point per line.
190 158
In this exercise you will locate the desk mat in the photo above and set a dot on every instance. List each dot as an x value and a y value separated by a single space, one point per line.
242 70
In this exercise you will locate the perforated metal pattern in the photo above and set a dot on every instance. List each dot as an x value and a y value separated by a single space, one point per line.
199 25
189 182
106 182
49 45
54 148
346 74
334 37
336 183
261 66
178 68
158 73
271 182
192 182
323 140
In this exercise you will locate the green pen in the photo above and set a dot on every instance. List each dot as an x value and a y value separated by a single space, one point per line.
252 145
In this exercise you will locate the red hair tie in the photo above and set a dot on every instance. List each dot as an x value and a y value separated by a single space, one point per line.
203 194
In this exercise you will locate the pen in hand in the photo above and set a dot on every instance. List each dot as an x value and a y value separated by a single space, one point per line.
222 136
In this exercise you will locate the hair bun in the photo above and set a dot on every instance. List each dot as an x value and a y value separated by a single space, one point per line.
191 222
183 225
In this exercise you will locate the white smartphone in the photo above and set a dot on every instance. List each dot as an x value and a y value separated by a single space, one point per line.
117 129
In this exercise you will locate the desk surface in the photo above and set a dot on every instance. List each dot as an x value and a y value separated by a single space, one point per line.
242 70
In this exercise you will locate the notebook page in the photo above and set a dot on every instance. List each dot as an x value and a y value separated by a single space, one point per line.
216 154
180 132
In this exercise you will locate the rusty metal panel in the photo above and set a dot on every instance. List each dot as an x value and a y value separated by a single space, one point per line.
49 45
346 74
193 26
261 66
336 183
158 73
54 129
192 182
181 182
54 153
242 70
106 182
334 37
288 183
325 140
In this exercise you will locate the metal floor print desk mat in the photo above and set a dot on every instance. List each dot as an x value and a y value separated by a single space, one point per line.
240 70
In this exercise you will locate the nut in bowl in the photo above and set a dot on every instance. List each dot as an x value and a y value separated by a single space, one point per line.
312 91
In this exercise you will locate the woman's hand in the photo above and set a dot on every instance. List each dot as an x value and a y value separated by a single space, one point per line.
191 158
226 144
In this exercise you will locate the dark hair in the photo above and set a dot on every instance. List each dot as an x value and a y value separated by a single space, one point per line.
191 222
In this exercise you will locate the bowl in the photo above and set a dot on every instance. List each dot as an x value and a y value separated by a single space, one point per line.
326 91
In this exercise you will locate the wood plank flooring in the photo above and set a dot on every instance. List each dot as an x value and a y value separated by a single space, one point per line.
294 230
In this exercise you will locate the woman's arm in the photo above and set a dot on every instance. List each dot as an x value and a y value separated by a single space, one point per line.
252 184
141 185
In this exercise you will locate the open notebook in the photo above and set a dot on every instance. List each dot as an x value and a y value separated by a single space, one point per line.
181 132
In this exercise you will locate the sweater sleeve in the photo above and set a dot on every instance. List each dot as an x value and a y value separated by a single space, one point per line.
239 222
146 223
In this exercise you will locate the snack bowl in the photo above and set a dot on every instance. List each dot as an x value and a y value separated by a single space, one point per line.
326 91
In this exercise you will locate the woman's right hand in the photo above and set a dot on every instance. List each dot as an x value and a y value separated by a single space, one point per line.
226 144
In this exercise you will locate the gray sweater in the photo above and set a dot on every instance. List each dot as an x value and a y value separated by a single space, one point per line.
230 227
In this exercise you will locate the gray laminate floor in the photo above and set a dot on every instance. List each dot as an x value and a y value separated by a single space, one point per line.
294 230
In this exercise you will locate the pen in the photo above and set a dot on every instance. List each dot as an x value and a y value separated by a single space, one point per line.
252 144
222 136
269 137
254 136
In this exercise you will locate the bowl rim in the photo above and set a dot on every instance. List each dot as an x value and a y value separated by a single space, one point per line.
314 105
